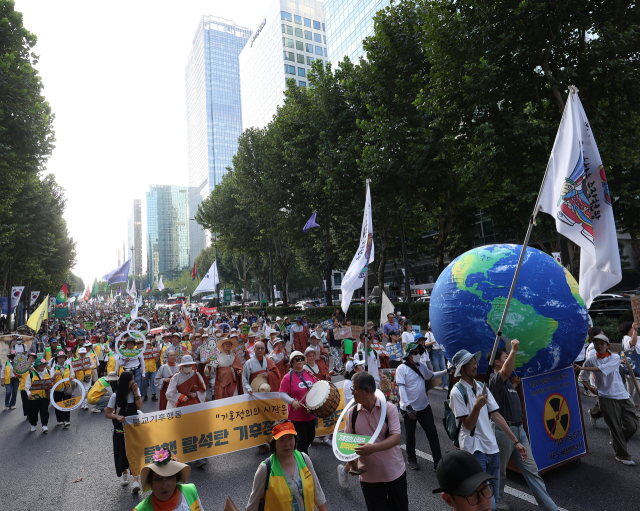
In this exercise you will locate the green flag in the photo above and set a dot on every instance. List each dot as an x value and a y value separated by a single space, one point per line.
106 285
94 290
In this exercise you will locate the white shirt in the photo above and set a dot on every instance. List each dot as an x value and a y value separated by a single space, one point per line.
484 439
428 337
114 397
348 391
626 344
373 364
407 337
608 382
130 363
411 386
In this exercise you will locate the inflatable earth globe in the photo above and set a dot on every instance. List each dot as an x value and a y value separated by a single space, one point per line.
546 314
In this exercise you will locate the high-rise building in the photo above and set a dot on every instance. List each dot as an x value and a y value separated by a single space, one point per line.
214 113
348 23
289 38
167 231
135 238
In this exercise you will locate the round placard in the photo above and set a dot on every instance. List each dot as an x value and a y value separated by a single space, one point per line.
134 352
21 363
351 438
140 319
73 402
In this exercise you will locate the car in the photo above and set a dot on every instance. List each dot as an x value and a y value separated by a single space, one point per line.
279 303
614 306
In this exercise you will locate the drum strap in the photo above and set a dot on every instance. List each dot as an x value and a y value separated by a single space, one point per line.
354 417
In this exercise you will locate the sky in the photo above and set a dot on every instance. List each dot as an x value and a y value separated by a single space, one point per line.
113 73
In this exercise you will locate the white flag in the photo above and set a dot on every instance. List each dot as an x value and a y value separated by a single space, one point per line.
160 284
132 291
209 281
386 309
34 297
16 293
575 192
134 312
358 268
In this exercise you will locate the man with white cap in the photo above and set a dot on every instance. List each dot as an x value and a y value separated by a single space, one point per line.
83 373
473 405
186 387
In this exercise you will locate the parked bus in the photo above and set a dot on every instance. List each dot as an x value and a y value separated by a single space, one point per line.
176 300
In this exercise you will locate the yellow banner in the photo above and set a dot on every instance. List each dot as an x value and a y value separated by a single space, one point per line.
212 428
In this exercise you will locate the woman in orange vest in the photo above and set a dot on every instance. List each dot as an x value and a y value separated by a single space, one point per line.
286 476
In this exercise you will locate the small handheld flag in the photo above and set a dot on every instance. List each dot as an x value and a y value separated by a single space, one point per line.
194 272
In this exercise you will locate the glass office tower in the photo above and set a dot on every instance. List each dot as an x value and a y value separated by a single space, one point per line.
214 113
134 238
289 38
348 23
167 231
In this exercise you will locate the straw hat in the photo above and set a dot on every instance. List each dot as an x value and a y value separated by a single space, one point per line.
296 354
112 376
261 383
385 386
232 340
164 466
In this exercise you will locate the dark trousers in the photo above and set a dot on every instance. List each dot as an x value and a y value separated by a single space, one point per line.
306 431
12 392
60 415
102 368
391 496
425 418
39 406
25 402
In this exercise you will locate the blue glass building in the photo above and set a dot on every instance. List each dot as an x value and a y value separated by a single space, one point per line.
167 231
214 112
348 23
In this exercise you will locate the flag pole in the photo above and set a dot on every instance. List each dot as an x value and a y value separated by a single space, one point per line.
532 222
366 307
326 258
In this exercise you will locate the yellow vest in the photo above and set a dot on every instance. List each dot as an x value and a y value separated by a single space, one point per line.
66 373
23 379
111 363
98 390
278 496
97 348
189 493
7 373
80 374
36 377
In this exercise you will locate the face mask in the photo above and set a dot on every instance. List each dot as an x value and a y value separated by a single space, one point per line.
186 369
415 358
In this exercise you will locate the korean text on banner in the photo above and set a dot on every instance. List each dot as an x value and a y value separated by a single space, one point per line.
211 428
553 417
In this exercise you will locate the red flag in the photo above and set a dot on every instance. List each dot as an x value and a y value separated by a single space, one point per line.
193 272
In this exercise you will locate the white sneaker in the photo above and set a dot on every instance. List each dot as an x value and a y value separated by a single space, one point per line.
124 480
60 423
12 408
629 463
66 425
33 428
95 410
135 488
6 408
342 477
437 387
45 429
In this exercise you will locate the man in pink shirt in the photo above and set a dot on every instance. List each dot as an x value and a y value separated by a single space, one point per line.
384 479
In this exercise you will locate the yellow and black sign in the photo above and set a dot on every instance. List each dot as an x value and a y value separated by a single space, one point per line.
557 416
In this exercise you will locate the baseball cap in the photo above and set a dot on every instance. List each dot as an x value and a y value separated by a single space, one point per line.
459 473
284 428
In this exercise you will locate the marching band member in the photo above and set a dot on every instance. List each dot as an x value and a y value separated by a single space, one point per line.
163 376
11 381
59 370
24 397
84 375
38 399
126 401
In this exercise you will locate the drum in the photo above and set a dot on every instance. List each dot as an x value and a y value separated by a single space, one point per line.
323 399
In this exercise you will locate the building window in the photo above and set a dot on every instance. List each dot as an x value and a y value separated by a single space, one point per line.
297 19
309 48
290 70
337 279
285 16
288 55
316 25
307 35
299 32
287 29
318 50
287 42
307 22
323 28
302 84
300 58
325 52
325 39
309 61
301 72
299 45
318 38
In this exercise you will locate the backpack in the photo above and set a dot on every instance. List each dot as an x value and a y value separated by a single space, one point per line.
452 428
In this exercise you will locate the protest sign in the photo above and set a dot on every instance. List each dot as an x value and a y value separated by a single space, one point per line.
635 305
89 325
151 352
41 384
342 333
356 331
327 324
81 364
208 310
245 329
394 351
212 428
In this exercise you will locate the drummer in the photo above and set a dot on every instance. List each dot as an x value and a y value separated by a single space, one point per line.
293 389
279 355
38 399
24 397
62 369
259 364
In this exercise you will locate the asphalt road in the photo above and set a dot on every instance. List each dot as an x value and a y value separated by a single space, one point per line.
38 471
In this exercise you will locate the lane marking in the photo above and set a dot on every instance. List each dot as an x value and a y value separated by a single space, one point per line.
507 489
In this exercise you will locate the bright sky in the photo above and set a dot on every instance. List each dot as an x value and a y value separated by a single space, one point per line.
113 73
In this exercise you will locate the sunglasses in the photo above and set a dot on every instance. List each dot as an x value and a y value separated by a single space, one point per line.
298 359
